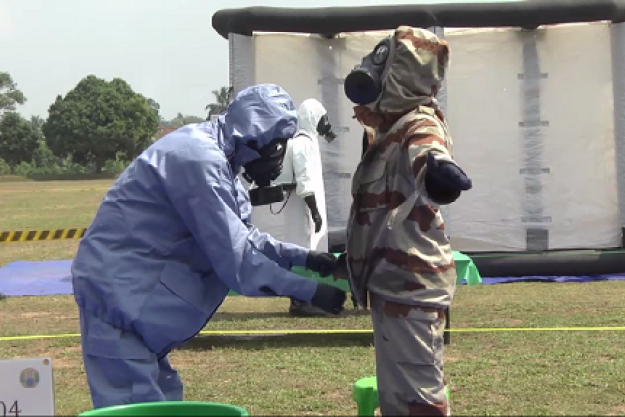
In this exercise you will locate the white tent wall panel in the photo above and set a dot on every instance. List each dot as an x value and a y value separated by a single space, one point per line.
483 121
242 61
485 101
577 196
617 32
580 192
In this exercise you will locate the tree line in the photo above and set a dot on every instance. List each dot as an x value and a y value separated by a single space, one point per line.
98 126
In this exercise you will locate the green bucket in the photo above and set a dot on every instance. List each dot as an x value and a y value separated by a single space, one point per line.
170 408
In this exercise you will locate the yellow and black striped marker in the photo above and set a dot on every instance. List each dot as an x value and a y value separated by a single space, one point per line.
41 235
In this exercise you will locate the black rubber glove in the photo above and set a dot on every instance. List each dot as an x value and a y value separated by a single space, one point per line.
445 181
329 298
311 202
321 262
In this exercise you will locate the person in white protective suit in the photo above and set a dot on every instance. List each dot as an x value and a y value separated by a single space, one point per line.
304 213
173 235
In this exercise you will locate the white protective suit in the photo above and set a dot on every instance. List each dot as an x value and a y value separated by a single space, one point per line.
302 166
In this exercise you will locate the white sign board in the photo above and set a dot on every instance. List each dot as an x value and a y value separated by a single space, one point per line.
26 387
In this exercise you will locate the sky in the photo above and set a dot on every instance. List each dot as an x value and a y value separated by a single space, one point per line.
166 50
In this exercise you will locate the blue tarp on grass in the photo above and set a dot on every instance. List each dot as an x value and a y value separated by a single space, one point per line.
27 278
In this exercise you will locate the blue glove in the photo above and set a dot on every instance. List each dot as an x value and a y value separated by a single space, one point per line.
447 174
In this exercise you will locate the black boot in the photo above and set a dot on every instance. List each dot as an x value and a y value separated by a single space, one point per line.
302 309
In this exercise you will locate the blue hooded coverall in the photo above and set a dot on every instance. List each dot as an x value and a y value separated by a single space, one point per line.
169 240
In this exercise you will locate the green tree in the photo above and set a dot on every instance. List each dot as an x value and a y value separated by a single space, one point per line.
181 120
178 120
19 139
192 119
98 121
222 99
152 103
43 157
10 96
37 122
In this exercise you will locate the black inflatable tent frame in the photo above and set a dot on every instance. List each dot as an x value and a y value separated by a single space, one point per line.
529 14
333 20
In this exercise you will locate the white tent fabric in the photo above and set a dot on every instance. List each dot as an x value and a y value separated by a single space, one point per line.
531 114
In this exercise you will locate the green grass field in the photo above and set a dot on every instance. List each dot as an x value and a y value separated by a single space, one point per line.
491 373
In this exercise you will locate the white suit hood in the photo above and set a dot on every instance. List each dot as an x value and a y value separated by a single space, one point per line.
309 114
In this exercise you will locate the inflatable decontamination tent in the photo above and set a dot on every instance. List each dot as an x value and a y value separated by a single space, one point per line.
535 99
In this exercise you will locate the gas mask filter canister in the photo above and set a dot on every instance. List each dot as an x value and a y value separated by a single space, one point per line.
324 129
363 85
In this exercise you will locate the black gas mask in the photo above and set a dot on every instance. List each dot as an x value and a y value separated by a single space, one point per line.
364 84
324 128
263 170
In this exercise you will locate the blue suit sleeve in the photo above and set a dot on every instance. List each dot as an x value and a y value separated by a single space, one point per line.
243 199
286 255
203 192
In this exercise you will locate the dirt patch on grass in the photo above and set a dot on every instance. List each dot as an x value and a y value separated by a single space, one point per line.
495 370
34 314
64 356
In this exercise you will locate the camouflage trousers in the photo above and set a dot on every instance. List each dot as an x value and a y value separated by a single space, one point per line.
409 358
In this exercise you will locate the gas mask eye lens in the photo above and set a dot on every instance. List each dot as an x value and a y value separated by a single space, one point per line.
380 54
276 151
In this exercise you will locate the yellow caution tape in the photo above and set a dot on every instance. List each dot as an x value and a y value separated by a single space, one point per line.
338 331
41 235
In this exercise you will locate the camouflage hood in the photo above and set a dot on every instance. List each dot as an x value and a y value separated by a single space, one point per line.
412 78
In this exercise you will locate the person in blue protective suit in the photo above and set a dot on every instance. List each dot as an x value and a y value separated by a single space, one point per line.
170 239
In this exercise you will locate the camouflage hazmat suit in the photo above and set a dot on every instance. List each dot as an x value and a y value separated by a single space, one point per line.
399 258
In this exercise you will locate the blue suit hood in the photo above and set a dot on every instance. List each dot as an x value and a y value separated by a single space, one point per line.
258 114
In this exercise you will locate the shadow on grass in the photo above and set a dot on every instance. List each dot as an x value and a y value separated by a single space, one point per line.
238 316
263 342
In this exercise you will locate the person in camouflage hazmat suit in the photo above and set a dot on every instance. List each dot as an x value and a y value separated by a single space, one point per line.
397 253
